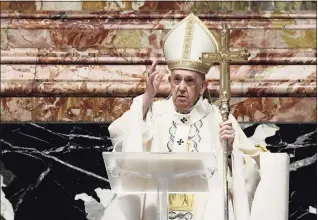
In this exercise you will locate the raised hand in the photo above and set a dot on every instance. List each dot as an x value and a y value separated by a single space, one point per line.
153 81
152 87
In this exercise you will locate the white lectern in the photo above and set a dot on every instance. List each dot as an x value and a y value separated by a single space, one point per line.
159 172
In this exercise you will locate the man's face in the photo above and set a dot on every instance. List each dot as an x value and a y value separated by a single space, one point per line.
186 86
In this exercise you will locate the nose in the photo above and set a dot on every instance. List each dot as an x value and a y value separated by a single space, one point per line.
182 86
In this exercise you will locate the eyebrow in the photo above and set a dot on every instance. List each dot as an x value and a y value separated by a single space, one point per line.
186 77
189 77
176 74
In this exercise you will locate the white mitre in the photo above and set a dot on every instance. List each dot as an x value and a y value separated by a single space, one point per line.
186 41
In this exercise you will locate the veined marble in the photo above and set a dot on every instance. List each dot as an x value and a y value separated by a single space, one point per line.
93 109
130 80
86 50
266 9
59 172
157 24
138 38
141 56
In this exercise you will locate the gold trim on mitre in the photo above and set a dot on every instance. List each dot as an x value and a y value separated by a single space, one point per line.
197 21
187 40
188 65
185 62
205 29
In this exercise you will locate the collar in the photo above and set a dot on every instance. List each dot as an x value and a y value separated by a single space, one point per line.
199 111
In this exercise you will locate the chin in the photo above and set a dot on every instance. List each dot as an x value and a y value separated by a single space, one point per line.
182 108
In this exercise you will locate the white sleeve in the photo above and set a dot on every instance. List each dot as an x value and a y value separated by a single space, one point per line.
129 127
243 146
116 131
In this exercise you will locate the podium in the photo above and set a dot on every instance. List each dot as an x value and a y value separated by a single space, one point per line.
160 172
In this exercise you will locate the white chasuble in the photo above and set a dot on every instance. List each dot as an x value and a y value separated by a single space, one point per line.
165 130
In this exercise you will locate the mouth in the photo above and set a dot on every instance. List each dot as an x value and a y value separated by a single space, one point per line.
182 98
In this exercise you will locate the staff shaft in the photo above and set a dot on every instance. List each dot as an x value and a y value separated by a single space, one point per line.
225 111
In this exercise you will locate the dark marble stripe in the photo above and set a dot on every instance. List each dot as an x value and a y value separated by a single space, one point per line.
45 166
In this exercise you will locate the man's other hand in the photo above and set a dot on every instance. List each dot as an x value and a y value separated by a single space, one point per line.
227 133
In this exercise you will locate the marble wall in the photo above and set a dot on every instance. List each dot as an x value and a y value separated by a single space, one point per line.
68 69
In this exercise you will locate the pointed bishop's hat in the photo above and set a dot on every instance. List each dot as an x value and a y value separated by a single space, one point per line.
185 42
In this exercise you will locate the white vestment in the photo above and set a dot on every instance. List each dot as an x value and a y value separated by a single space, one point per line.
166 130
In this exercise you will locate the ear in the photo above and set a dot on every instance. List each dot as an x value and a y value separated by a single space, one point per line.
204 86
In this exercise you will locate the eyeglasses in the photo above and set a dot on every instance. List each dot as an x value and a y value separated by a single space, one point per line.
190 81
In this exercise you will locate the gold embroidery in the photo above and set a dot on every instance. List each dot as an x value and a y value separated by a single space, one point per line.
198 22
264 149
188 147
187 41
207 31
181 202
189 65
185 63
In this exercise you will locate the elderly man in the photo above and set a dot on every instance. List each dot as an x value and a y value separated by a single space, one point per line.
188 122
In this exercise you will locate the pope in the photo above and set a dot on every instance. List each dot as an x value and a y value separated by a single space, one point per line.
187 121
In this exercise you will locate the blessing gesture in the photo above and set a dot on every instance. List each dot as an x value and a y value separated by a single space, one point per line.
153 81
152 87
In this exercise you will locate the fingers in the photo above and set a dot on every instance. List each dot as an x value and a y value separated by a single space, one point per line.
157 80
153 75
160 76
228 122
226 131
226 127
227 136
153 66
156 76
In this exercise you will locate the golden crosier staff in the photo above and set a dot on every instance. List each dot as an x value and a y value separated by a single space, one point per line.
224 57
